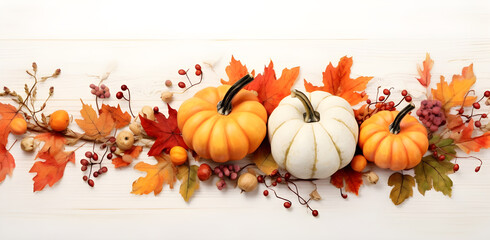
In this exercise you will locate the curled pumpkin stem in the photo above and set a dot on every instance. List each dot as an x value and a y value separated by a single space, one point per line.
395 125
224 106
310 115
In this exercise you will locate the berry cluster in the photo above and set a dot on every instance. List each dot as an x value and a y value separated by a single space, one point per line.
93 159
476 105
101 91
440 154
431 114
229 171
381 103
120 95
183 72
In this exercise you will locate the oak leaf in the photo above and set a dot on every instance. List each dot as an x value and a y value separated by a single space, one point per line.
337 81
467 143
165 130
352 179
424 71
402 187
163 172
262 158
453 94
121 119
95 126
134 152
431 172
235 71
7 162
189 179
51 170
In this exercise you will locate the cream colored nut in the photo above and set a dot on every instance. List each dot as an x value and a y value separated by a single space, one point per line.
371 177
147 112
119 152
27 144
127 158
135 128
247 182
125 140
167 96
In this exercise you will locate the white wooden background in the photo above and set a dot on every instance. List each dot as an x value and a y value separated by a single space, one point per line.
145 43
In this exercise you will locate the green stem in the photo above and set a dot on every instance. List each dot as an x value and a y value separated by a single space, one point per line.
310 115
224 106
395 125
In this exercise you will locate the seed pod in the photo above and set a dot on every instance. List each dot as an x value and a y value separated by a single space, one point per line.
27 144
167 96
148 113
247 182
135 128
371 177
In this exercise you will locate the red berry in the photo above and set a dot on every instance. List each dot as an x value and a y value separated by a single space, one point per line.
103 169
124 87
435 154
363 94
477 124
274 172
181 85
95 157
198 72
314 213
109 156
391 104
287 204
84 162
85 178
168 83
386 92
112 140
456 167
487 93
84 168
88 154
344 196
182 72
96 174
204 172
368 101
408 98
279 180
287 176
274 184
91 182
477 169
404 93
266 193
484 115
381 98
198 67
260 179
442 157
461 111
476 105
119 95
432 146
155 109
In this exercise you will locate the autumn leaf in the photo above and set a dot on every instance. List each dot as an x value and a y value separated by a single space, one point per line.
134 152
163 172
121 119
467 143
272 90
189 181
453 94
337 81
402 187
444 146
235 71
51 170
352 179
7 162
262 158
431 172
454 122
93 125
424 71
165 130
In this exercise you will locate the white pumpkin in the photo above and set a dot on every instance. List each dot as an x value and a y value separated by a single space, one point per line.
313 144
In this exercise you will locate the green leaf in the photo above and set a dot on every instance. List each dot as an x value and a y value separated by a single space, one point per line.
402 187
433 173
445 146
189 181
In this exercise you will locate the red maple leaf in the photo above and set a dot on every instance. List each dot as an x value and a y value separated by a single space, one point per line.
51 170
352 179
272 90
7 162
472 144
165 130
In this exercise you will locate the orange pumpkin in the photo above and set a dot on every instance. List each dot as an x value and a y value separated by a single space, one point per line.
393 139
223 123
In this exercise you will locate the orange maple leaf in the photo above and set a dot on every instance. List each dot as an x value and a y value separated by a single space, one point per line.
51 170
164 172
337 81
472 144
93 125
353 179
7 162
271 90
455 123
235 71
424 71
134 152
453 94
121 119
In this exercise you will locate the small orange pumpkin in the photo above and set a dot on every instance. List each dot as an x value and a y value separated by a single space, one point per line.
18 126
393 139
223 123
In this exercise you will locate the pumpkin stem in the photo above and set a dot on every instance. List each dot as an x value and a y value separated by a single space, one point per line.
224 106
395 125
310 115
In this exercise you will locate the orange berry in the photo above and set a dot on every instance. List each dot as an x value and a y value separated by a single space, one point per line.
178 155
59 120
18 126
358 163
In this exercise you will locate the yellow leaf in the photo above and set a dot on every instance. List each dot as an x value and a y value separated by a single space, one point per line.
402 187
156 176
262 157
453 94
189 181
93 125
